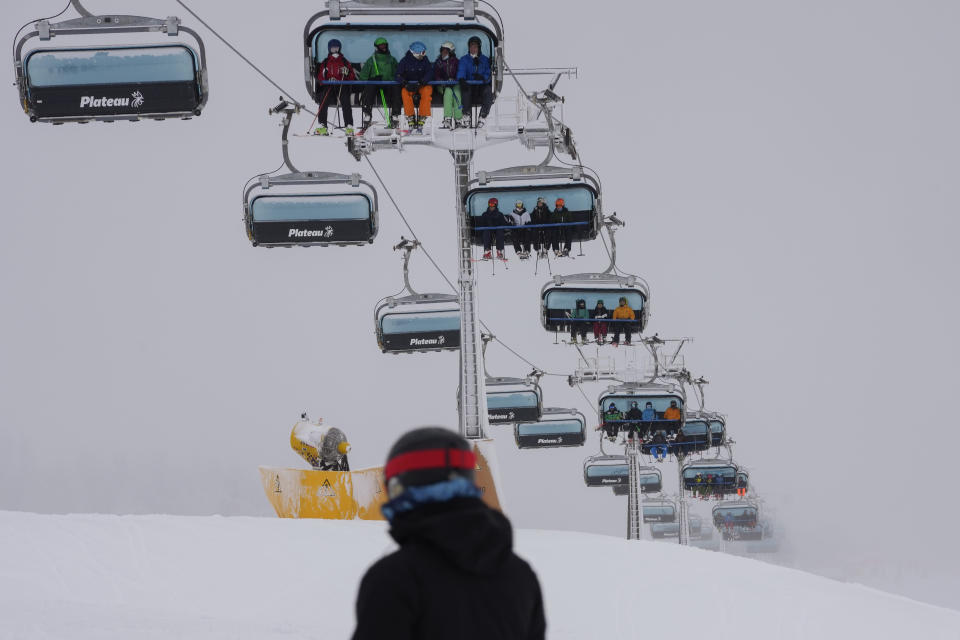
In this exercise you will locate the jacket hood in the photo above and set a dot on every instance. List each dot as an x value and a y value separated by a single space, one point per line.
464 531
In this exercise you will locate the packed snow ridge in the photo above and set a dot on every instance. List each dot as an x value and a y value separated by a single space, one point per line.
113 577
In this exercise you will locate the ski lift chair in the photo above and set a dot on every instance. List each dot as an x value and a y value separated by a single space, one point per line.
400 23
648 479
740 514
97 80
660 395
512 400
558 298
580 192
659 510
715 476
556 428
718 431
606 471
418 323
664 530
300 209
693 437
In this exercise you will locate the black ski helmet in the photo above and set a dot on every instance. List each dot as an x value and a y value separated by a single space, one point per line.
426 456
474 40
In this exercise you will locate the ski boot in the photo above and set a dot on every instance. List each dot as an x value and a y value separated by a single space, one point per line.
500 256
487 255
447 123
465 122
349 130
481 121
321 131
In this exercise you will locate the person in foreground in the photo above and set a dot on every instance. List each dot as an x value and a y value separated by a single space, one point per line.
455 576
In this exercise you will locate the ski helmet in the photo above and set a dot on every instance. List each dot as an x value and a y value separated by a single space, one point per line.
334 43
418 48
560 202
492 202
426 456
379 41
518 204
448 45
474 40
611 407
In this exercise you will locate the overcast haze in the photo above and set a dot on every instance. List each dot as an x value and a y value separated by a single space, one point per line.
788 174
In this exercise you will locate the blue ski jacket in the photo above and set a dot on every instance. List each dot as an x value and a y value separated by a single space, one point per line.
474 68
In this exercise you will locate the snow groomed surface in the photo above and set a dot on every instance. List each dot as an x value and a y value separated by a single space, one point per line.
123 577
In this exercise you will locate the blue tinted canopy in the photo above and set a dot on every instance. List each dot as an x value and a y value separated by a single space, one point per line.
420 321
357 39
623 402
577 197
566 298
651 510
608 470
550 427
111 65
512 399
333 206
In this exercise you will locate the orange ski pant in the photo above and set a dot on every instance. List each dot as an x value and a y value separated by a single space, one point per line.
426 95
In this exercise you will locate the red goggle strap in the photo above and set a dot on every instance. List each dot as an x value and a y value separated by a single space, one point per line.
430 459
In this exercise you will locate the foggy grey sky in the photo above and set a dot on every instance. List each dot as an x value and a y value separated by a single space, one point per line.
787 172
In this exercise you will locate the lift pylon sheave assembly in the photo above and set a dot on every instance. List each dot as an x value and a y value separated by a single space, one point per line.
434 22
108 82
305 209
417 322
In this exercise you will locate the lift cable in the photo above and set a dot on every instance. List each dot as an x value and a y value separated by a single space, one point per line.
242 57
27 24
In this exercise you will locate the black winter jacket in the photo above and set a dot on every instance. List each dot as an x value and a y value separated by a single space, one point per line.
455 577
540 215
493 218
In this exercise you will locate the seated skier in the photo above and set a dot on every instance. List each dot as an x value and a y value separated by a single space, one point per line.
491 218
612 421
445 70
335 67
540 237
380 67
579 328
414 74
520 218
474 73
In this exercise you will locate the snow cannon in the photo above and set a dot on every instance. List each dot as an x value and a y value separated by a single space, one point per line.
325 448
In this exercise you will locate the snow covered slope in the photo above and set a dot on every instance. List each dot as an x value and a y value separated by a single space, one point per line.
94 576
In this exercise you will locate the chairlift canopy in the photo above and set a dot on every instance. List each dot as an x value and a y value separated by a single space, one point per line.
581 199
511 400
304 215
658 511
418 323
558 299
556 428
99 80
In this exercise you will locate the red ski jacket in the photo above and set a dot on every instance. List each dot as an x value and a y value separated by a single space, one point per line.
333 69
